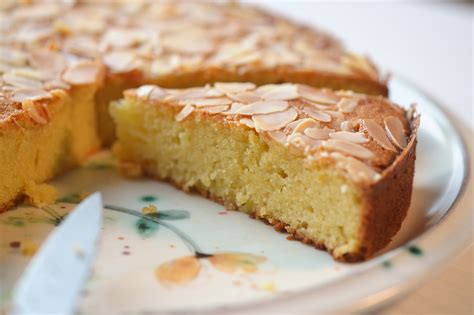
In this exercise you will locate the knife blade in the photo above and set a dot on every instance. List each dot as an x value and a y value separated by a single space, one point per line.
55 276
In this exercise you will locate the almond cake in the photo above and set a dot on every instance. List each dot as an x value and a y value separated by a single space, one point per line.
334 169
63 63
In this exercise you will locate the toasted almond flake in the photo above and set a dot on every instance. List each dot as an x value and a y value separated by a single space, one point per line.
282 92
278 136
185 112
30 73
264 107
21 81
191 93
355 137
359 64
292 125
316 114
395 131
347 105
24 94
357 170
144 91
121 61
233 88
304 124
378 134
248 122
234 108
214 93
36 112
318 134
56 84
346 125
349 148
187 43
274 121
84 72
201 102
317 96
244 97
215 109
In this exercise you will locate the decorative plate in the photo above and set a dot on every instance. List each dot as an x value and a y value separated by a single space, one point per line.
195 256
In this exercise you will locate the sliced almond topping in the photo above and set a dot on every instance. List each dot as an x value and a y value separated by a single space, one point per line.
292 125
185 112
317 96
316 114
301 140
191 93
355 137
264 107
346 125
274 121
233 88
21 81
248 122
214 93
84 72
278 136
282 92
37 113
215 109
357 170
395 131
349 148
244 97
144 91
304 124
187 42
23 94
201 102
121 61
378 134
318 134
234 108
347 105
360 64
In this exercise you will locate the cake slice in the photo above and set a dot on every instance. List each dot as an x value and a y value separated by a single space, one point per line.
334 169
47 117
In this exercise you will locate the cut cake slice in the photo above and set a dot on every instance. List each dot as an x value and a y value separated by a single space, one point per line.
334 169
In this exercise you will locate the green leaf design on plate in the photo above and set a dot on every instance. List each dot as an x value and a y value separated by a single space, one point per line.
415 250
148 198
146 228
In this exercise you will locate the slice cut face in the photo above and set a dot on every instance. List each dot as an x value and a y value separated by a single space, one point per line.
309 168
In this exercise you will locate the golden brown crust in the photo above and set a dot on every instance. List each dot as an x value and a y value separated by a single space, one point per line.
386 202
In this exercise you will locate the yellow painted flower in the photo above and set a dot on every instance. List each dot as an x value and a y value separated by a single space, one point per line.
179 271
233 262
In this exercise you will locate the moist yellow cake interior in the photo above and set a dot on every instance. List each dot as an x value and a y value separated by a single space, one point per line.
244 170
36 151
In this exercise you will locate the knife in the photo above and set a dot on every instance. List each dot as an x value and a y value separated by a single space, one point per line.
55 276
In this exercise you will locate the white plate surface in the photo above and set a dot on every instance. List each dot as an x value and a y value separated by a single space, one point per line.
148 267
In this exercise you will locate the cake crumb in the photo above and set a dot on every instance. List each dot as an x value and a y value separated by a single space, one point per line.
40 195
150 209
